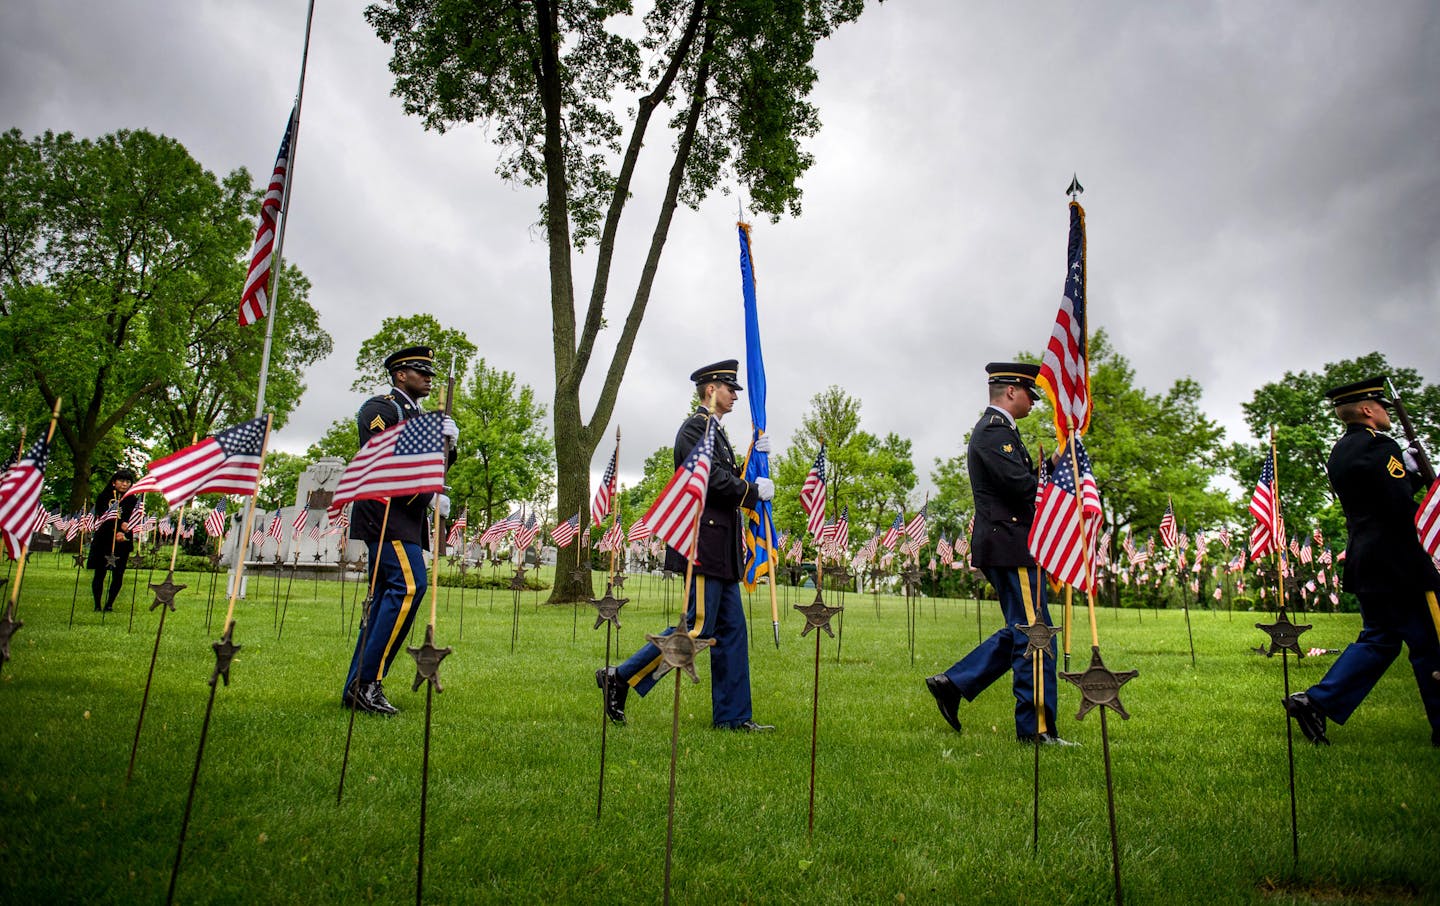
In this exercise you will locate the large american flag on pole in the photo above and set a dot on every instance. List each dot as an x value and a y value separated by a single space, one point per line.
20 497
1427 521
1056 532
406 458
226 463
255 299
1065 367
812 494
600 508
1263 507
673 516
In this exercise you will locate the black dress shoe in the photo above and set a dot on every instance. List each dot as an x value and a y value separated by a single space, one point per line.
614 696
374 693
947 697
1308 716
1045 739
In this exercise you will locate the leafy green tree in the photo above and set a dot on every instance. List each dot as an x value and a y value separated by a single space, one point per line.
118 259
341 440
659 466
281 479
504 454
1305 431
546 79
449 346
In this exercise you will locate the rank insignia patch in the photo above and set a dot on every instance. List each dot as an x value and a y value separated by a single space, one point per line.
377 424
1395 467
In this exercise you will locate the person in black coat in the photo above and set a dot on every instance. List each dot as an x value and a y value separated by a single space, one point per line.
1004 479
1385 567
716 568
397 555
111 545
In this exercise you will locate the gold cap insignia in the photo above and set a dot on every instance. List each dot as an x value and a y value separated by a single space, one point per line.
1008 448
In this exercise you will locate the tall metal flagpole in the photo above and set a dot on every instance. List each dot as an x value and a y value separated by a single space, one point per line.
274 295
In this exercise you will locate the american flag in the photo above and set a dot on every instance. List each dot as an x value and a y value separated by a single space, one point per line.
42 519
167 527
1427 521
672 517
1224 535
564 534
1055 533
795 548
314 531
255 300
614 539
457 528
946 552
406 458
1305 553
339 525
502 528
226 463
841 535
1237 564
912 545
526 535
215 520
915 529
812 494
276 529
1168 537
298 526
74 528
600 507
1263 507
136 520
639 531
111 512
892 534
868 549
1065 367
20 496
1319 538
1102 554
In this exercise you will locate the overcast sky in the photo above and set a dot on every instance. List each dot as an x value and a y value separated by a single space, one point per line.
1262 195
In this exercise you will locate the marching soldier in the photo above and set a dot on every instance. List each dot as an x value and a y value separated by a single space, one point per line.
717 566
1385 566
396 558
1004 479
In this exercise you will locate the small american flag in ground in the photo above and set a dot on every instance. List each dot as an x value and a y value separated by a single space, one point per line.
457 528
111 512
20 496
942 547
275 529
614 539
502 528
812 494
136 520
526 535
604 494
1168 536
639 531
298 526
407 458
915 529
1056 533
564 534
841 535
1427 521
1262 507
892 534
255 301
227 463
672 517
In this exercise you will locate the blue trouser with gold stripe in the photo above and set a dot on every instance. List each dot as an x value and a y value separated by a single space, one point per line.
1386 622
1022 592
398 591
722 618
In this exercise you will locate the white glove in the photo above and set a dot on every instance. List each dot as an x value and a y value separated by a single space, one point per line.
1411 462
762 444
449 430
766 487
442 503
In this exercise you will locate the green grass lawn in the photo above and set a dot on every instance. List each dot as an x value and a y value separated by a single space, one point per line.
905 809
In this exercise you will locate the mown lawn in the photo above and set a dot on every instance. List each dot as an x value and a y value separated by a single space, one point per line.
905 809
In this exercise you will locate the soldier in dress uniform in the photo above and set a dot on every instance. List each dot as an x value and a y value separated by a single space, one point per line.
1003 480
1385 566
717 565
398 556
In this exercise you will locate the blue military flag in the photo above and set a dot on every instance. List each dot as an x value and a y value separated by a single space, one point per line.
759 522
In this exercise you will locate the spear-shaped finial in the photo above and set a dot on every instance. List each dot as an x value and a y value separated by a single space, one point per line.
1075 187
